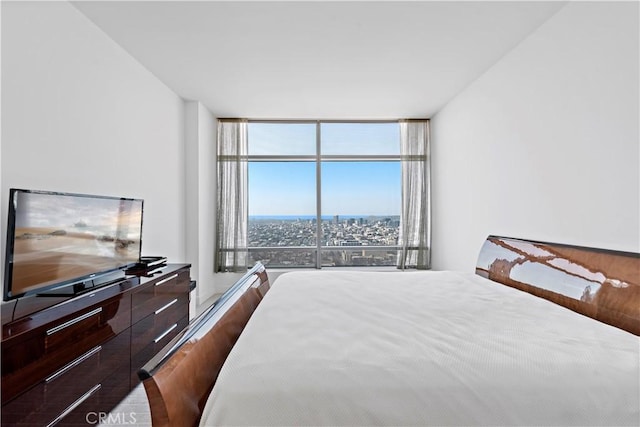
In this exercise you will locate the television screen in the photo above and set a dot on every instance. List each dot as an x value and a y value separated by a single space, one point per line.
57 238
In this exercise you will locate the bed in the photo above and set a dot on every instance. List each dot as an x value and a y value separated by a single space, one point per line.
542 334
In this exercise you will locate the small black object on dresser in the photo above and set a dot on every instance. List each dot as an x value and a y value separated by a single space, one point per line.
149 262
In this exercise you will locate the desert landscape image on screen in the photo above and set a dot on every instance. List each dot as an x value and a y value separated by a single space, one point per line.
62 237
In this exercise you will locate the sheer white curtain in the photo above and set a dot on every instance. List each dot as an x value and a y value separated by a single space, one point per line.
231 213
415 221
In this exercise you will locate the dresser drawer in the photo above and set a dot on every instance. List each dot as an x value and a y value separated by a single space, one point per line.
158 293
152 326
155 345
96 401
69 384
27 361
105 397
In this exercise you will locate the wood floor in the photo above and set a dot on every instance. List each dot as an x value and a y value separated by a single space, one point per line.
134 409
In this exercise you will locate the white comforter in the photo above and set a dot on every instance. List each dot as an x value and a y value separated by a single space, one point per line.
422 348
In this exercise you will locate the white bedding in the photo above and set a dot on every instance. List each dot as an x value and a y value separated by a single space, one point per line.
422 348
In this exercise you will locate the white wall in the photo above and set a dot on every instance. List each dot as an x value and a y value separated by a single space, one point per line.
200 151
545 145
79 114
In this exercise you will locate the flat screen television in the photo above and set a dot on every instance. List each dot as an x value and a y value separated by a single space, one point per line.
62 243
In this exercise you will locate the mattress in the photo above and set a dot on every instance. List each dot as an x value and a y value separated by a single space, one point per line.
422 348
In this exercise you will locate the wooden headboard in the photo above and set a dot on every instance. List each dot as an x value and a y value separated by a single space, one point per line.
599 283
178 380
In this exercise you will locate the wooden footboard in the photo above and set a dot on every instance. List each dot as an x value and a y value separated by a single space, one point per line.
599 283
178 380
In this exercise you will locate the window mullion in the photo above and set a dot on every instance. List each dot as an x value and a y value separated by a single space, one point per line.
318 198
360 158
281 158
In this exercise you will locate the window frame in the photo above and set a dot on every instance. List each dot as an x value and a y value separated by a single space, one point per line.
318 158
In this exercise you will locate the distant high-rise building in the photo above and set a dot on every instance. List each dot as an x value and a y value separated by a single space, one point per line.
336 219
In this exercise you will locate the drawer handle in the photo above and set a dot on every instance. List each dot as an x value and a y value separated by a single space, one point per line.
163 281
74 405
165 333
73 321
73 364
164 307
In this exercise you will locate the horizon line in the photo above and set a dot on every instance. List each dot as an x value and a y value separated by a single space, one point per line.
321 216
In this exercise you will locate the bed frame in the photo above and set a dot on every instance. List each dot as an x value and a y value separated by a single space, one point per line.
605 284
179 379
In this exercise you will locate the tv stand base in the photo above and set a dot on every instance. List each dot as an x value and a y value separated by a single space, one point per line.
73 290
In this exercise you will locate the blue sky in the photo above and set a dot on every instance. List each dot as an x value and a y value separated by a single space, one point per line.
348 188
337 138
288 188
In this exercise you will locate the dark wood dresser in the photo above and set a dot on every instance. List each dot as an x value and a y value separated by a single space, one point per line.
65 361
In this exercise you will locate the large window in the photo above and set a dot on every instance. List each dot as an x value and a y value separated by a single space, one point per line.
324 193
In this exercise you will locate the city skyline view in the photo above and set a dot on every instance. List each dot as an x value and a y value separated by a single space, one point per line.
359 193
345 241
312 217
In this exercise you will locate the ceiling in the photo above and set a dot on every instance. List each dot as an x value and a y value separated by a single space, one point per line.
318 60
